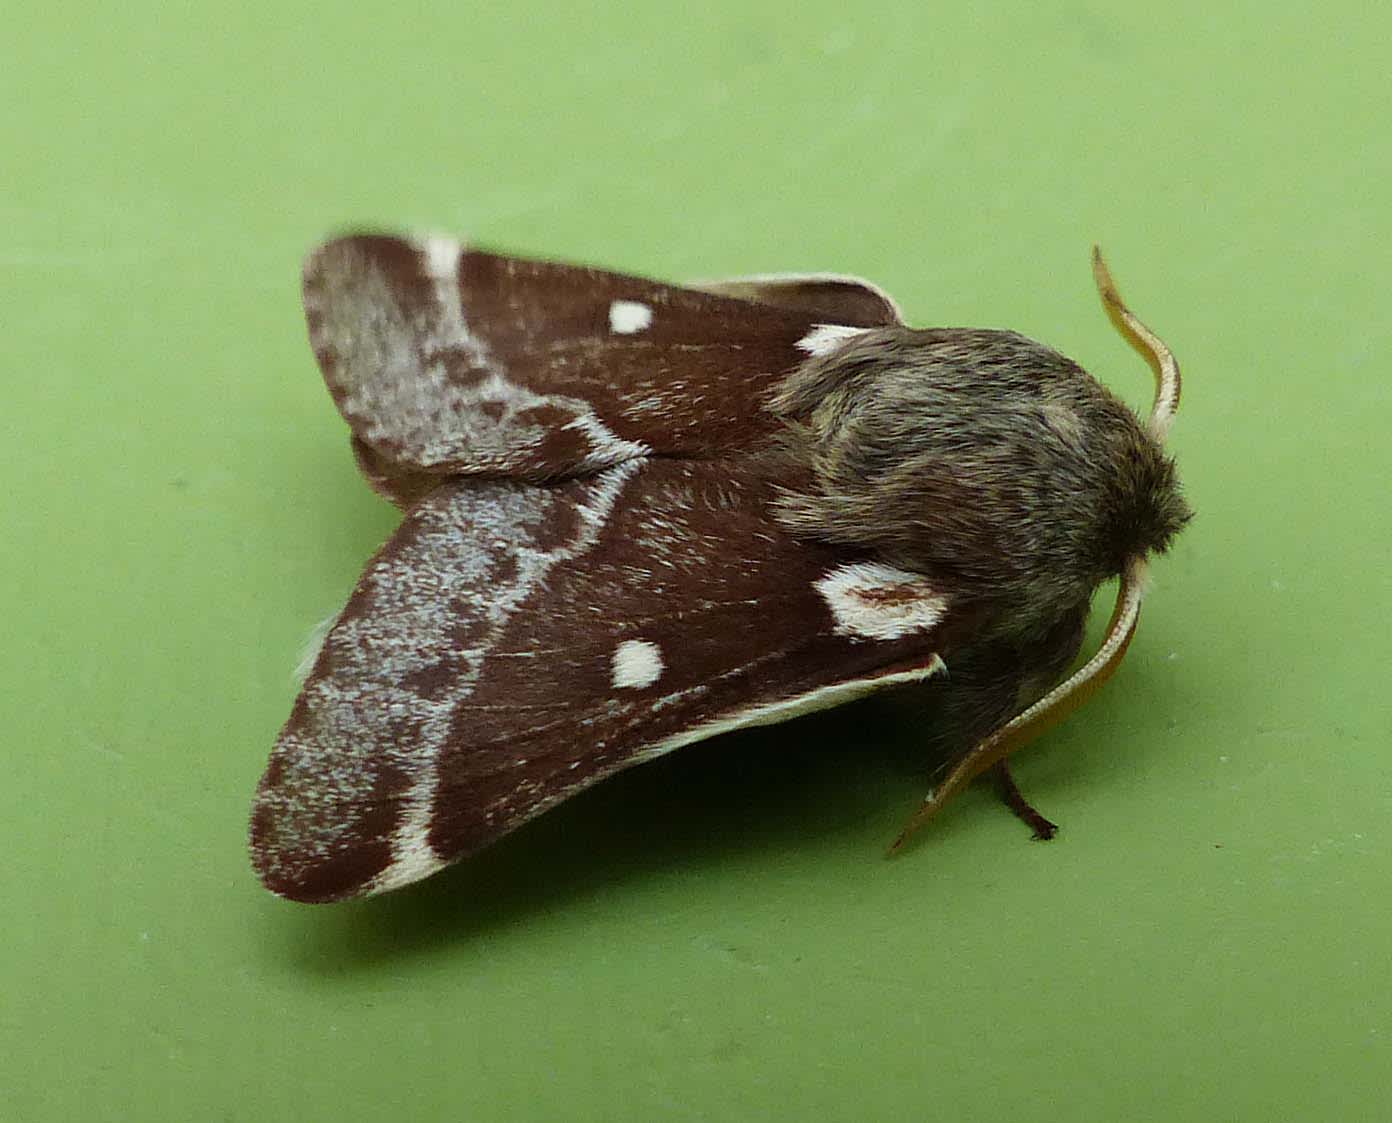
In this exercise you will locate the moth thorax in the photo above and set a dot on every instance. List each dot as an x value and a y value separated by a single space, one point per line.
980 456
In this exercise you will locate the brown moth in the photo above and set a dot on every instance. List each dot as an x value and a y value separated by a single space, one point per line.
638 516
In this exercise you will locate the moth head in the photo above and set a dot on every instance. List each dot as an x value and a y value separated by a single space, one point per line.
1151 510
1155 512
1158 512
1144 508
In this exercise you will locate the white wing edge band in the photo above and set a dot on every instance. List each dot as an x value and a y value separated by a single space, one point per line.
414 857
720 286
771 713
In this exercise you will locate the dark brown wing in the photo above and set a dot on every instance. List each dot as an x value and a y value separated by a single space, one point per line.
828 298
514 643
447 360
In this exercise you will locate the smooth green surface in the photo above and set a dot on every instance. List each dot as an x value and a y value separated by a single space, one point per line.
716 935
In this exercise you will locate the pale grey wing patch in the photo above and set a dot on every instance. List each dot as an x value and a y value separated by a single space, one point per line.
345 800
448 360
830 298
419 383
513 644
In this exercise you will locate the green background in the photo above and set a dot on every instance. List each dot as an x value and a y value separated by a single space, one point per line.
715 935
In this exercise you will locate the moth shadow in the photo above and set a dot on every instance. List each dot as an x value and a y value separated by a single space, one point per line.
854 772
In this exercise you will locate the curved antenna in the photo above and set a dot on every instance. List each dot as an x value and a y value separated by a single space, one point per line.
1070 694
1151 347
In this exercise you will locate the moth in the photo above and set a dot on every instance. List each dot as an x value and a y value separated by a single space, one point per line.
640 515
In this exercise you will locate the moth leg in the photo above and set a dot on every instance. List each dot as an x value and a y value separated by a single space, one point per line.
981 704
1049 710
1023 810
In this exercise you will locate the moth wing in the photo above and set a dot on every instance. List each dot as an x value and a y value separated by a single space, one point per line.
445 359
830 298
515 643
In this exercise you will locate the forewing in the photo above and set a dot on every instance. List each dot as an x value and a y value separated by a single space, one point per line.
515 643
446 360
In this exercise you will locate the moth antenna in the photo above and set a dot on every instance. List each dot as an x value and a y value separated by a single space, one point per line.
1049 710
1056 705
1151 347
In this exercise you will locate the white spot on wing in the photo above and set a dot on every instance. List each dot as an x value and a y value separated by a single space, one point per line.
629 316
827 337
637 663
873 601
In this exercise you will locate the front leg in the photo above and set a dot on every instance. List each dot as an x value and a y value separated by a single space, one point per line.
1011 796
